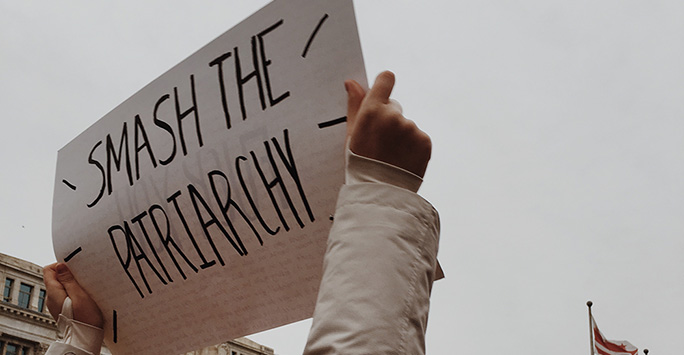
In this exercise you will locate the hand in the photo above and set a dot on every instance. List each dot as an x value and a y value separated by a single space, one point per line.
60 283
377 129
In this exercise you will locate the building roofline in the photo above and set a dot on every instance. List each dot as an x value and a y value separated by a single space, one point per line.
21 264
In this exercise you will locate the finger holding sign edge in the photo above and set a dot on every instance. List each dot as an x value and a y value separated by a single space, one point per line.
355 96
84 307
60 284
382 88
56 294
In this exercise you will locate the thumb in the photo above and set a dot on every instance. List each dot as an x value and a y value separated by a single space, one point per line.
382 88
355 95
66 278
85 309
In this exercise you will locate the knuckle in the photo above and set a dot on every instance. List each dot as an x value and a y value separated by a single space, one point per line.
373 109
397 116
411 126
427 141
407 128
427 148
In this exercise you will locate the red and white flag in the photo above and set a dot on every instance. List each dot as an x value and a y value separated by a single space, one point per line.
603 346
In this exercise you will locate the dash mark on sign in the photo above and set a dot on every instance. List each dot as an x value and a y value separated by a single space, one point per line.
332 122
73 253
318 27
115 335
71 186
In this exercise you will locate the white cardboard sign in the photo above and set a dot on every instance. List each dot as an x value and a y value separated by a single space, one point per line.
198 210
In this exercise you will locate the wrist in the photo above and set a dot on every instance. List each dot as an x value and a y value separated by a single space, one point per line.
361 169
81 335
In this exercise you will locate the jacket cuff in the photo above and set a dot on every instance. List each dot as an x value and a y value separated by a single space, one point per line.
82 336
362 169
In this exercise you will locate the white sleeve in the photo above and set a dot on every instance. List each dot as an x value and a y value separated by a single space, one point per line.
378 271
78 338
360 169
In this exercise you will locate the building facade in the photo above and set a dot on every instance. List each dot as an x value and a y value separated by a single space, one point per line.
26 327
239 346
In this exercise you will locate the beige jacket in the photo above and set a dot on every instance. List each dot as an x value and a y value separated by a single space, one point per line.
378 273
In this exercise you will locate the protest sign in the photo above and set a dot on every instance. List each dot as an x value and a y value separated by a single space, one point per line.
198 210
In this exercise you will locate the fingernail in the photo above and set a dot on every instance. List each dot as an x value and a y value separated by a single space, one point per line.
346 85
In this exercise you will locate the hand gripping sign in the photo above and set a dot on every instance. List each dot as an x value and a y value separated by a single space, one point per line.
198 209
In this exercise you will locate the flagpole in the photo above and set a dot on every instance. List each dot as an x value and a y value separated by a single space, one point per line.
591 330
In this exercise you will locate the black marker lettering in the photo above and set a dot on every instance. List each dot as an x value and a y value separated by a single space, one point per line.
225 206
205 263
167 240
195 197
242 80
138 219
265 62
276 181
139 255
181 115
112 156
269 185
125 264
289 163
165 126
140 130
218 62
249 196
102 171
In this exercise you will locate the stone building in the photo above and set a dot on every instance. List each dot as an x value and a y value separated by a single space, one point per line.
26 327
239 346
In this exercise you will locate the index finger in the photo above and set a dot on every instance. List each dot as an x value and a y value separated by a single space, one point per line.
382 88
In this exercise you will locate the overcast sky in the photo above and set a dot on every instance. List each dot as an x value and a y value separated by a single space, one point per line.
558 162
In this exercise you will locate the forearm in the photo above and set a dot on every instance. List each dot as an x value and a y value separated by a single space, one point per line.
378 273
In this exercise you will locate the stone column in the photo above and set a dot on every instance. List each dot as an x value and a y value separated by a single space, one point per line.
33 303
15 292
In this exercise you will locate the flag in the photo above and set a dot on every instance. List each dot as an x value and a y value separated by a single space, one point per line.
603 346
